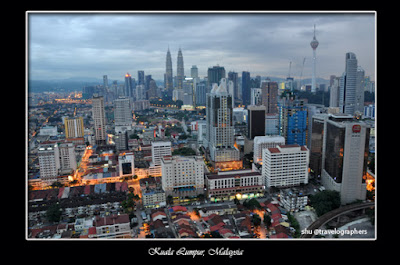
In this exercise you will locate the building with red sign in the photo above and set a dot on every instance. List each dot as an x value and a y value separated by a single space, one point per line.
343 147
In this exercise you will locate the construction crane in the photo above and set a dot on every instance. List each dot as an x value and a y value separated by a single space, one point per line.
301 74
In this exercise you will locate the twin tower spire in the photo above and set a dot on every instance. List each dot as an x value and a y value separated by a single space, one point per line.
180 72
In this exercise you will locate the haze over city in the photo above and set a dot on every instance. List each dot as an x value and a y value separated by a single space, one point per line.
68 45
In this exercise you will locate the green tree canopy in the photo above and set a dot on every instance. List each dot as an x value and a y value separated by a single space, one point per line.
325 201
53 213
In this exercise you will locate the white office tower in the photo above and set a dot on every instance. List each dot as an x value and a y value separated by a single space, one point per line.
262 142
99 118
348 85
314 44
49 163
182 176
56 159
334 93
285 165
66 152
220 129
159 150
122 114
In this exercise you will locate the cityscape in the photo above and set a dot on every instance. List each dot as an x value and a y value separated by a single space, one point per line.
214 145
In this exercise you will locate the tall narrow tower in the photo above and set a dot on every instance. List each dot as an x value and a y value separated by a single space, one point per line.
168 73
314 44
180 70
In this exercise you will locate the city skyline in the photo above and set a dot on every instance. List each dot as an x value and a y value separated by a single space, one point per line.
68 45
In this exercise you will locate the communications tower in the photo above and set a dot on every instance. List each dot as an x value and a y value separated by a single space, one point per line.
314 44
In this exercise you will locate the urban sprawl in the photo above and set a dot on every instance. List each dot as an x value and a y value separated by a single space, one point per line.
216 157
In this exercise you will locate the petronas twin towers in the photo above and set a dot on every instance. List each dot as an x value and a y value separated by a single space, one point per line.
180 72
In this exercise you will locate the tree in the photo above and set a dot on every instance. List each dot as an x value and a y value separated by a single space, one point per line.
325 201
256 220
267 220
170 199
252 204
53 213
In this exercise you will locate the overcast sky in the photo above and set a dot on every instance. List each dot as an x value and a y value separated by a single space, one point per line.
96 44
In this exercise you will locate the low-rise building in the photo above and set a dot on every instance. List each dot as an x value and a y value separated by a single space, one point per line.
227 185
153 196
113 226
293 200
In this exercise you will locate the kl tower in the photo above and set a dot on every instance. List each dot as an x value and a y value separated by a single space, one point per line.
314 44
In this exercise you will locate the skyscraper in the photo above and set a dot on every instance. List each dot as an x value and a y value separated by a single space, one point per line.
215 74
180 72
314 44
105 81
233 76
348 85
194 72
256 121
269 94
220 130
122 114
140 77
344 143
169 85
128 85
98 115
293 120
246 88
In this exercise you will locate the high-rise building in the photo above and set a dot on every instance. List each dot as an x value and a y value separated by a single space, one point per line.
49 162
201 91
269 95
99 118
233 76
141 78
314 44
334 93
344 143
246 88
348 85
128 85
66 152
122 114
293 120
271 124
359 108
74 127
256 121
105 81
159 150
215 74
182 176
285 165
56 159
262 142
194 72
180 71
220 129
169 85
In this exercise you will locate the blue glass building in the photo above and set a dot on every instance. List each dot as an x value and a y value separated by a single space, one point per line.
293 121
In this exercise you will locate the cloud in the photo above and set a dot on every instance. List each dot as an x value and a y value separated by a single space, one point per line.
101 43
